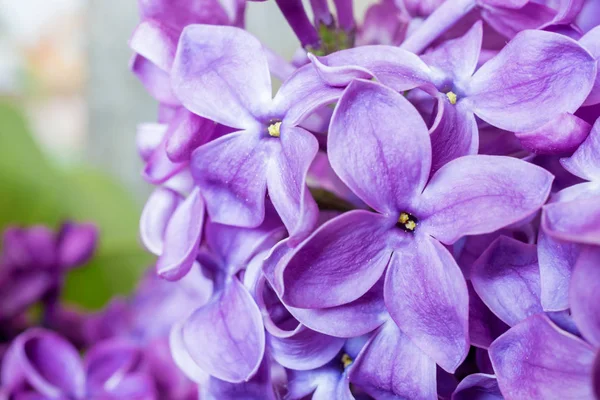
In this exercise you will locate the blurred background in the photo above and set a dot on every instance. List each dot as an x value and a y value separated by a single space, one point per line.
68 113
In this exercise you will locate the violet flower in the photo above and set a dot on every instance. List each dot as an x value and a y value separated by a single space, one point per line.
470 195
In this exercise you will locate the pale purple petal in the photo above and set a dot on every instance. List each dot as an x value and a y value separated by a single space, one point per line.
535 77
509 21
556 259
507 278
484 326
148 137
153 40
159 167
536 360
304 349
590 42
561 135
226 337
182 357
478 387
155 217
231 172
324 383
596 376
338 263
230 82
182 238
156 81
584 294
259 387
391 366
453 134
384 162
576 220
108 362
585 162
286 182
76 244
187 131
426 295
479 194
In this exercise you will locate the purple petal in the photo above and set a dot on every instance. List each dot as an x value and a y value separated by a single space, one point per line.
509 21
157 213
478 387
368 147
259 387
590 42
561 135
453 134
324 383
46 362
427 297
148 138
356 318
230 82
596 376
108 362
458 57
226 337
577 220
231 172
76 244
507 278
391 366
584 294
536 77
156 81
286 182
384 23
585 162
154 41
479 194
182 238
536 360
187 132
133 386
159 167
182 357
484 326
556 259
304 349
338 263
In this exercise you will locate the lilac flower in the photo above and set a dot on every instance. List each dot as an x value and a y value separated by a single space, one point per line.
410 213
270 150
538 359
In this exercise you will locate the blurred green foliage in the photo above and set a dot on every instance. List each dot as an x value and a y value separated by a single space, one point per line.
35 191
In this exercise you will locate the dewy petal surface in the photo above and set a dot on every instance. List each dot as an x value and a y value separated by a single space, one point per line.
535 77
226 338
231 172
584 294
426 295
507 278
391 366
536 360
585 162
479 194
286 181
379 146
338 263
221 73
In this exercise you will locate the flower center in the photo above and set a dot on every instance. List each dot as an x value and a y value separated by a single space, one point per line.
274 128
346 360
407 222
452 97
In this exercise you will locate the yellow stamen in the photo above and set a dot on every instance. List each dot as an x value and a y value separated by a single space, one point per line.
452 97
403 218
346 360
410 225
274 129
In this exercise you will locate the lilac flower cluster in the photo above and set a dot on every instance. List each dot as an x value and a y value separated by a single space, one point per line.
414 214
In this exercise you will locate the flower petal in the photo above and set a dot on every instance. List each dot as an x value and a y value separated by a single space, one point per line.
182 238
426 295
338 263
507 278
231 172
478 387
230 82
226 337
156 81
536 360
156 215
391 366
259 387
484 326
159 167
585 162
76 244
576 221
584 294
155 42
556 259
479 194
187 131
379 146
286 182
535 77
561 135
590 42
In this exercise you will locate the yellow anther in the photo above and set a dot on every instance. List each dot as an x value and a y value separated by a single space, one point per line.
346 360
274 129
403 218
452 97
410 225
